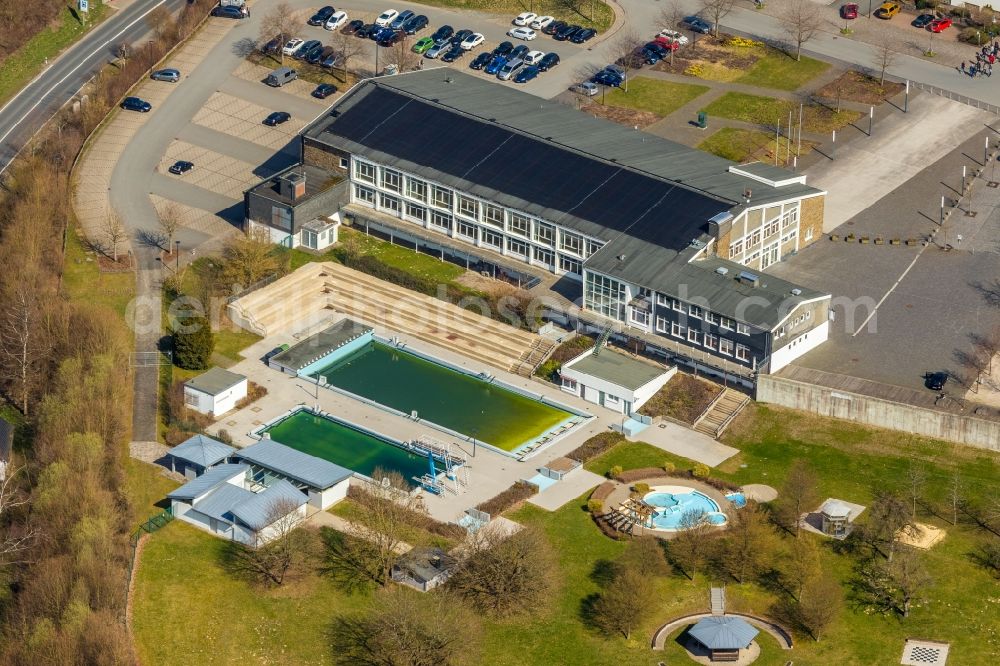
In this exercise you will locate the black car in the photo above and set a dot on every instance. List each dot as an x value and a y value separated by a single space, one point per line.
277 118
444 32
580 36
503 48
415 24
554 27
316 56
518 52
481 60
548 62
697 24
935 381
330 60
454 54
922 21
366 30
460 36
352 27
273 46
304 50
324 90
321 15
393 37
380 33
136 104
228 12
567 32
181 167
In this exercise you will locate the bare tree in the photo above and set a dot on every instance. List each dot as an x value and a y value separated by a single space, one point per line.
798 494
161 22
689 549
170 219
276 547
717 10
114 231
17 539
280 24
801 22
24 342
623 603
749 544
955 495
916 479
402 53
885 57
801 565
671 16
820 602
889 518
248 258
625 51
348 48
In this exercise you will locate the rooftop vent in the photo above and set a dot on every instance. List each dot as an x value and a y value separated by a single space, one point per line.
747 193
697 243
749 279
722 270
292 185
448 79
796 292
621 257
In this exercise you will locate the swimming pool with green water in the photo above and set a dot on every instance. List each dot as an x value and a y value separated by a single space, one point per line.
463 403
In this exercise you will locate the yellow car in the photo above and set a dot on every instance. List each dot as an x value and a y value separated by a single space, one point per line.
888 10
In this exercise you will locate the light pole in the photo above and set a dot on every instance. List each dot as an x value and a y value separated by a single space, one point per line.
177 255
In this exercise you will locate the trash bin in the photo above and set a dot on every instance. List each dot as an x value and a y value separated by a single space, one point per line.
702 120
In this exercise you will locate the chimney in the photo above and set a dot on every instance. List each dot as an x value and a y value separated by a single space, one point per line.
292 186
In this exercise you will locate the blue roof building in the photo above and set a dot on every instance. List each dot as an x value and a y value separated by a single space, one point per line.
195 455
723 636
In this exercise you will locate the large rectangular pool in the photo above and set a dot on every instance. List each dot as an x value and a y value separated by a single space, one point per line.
466 404
343 445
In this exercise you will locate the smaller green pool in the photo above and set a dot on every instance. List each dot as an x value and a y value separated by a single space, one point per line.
348 447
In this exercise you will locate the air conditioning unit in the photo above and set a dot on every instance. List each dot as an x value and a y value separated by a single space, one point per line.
722 270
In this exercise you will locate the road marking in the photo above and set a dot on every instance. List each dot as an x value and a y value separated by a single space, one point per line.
891 289
60 81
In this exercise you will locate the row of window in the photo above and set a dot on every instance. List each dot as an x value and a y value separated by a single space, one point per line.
708 340
700 313
771 227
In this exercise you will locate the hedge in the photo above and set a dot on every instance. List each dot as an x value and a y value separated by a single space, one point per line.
517 493
632 475
602 491
420 520
596 445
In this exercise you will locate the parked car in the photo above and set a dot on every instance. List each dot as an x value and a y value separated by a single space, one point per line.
888 10
180 167
330 61
554 27
587 88
386 17
525 74
519 52
276 118
438 49
305 48
324 90
365 31
481 60
697 24
496 63
318 54
353 26
525 18
336 20
401 18
609 76
540 22
503 48
652 53
533 57
565 32
380 33
280 77
136 104
391 37
667 43
444 32
922 21
527 34
510 69
169 75
415 24
459 37
423 45
935 381
939 24
472 41
321 15
674 35
849 11
272 46
582 35
228 12
548 62
453 54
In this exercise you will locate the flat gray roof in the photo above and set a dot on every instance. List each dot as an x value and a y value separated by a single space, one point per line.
317 180
319 345
215 381
617 368
294 464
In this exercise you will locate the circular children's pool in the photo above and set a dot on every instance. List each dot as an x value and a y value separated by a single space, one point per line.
671 503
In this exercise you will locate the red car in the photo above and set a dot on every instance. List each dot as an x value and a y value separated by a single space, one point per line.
667 43
939 24
849 11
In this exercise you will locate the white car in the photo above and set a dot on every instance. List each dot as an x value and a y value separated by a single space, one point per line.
336 20
533 57
527 34
292 45
525 18
674 35
386 17
541 22
472 41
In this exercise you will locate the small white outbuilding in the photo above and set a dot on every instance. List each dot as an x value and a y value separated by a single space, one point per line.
613 380
215 392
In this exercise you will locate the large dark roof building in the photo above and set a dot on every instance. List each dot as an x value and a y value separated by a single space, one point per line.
665 239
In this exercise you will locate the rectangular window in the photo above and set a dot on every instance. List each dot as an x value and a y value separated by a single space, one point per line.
726 346
809 233
727 323
694 335
281 217
520 225
465 229
493 215
754 238
712 318
365 195
440 220
542 255
570 265
676 329
344 162
364 171
604 295
593 247
416 189
190 399
416 213
493 239
544 234
736 249
662 300
711 340
662 325
771 228
569 383
515 246
742 329
570 242
468 207
694 311
637 316
742 353
389 203
790 217
676 305
441 197
392 180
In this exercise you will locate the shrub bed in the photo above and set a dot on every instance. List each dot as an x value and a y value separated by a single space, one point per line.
596 445
632 475
602 491
564 352
517 493
420 520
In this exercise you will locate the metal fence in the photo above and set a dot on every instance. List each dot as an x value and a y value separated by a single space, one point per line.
979 104
151 525
263 282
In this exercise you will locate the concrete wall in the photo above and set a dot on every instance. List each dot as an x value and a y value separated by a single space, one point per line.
325 499
798 344
811 220
960 428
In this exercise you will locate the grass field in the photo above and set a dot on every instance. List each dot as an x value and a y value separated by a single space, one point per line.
769 112
775 69
83 280
590 14
654 95
21 66
744 145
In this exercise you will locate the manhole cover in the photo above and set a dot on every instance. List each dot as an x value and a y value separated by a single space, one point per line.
255 409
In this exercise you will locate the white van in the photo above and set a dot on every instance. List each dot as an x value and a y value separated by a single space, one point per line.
281 76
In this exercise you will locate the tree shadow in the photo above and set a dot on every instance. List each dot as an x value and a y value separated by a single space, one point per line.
604 571
990 292
588 613
151 239
244 47
343 560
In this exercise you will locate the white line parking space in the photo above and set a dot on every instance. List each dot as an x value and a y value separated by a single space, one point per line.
212 171
238 117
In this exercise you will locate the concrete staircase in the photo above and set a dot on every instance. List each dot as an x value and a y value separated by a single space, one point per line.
721 413
718 601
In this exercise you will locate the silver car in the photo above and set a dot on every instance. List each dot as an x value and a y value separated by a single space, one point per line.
508 71
438 48
587 88
169 75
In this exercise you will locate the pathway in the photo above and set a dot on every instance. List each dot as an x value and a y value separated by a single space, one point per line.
685 442
327 519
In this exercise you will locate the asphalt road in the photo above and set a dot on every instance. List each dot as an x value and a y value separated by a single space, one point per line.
22 116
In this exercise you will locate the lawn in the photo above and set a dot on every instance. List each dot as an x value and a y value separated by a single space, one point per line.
592 14
778 70
21 66
769 112
82 279
146 488
655 96
742 60
744 145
